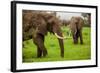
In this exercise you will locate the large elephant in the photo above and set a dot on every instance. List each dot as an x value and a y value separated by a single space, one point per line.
36 24
76 24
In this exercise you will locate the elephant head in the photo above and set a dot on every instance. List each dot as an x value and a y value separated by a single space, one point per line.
52 25
76 24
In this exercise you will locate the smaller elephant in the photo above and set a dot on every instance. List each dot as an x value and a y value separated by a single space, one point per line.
76 24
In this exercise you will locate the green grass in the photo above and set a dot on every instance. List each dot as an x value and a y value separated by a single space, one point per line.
71 51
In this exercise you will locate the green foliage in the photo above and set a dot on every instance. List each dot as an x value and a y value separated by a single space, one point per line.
71 51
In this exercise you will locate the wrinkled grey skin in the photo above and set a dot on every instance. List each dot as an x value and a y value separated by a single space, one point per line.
36 25
76 24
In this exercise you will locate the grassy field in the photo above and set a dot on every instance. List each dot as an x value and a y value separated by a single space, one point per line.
71 51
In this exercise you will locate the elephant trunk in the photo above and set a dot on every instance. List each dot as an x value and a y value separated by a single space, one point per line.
61 44
59 35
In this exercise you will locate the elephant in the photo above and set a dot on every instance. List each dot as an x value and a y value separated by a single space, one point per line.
36 25
76 25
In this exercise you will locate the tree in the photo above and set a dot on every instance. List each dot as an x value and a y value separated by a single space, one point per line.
87 18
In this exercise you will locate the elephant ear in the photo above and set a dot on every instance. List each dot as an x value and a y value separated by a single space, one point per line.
81 23
42 28
72 25
39 24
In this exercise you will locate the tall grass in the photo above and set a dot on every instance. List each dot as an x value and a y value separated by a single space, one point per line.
71 51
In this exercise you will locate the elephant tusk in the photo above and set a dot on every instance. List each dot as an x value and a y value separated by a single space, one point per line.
59 36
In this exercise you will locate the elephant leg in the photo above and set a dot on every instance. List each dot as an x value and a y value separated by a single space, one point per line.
75 38
81 38
77 35
44 51
39 41
39 52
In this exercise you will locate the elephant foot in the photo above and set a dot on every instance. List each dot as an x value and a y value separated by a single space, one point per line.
45 53
39 56
39 53
75 42
62 55
81 43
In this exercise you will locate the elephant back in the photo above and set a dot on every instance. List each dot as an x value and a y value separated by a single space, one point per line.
26 17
